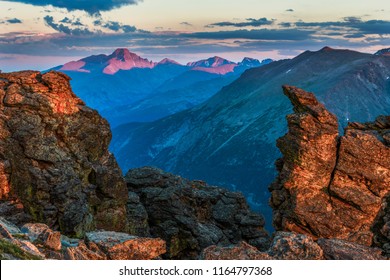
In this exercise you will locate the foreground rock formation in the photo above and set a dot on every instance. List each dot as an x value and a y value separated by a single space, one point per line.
55 166
38 241
62 195
293 246
332 186
190 215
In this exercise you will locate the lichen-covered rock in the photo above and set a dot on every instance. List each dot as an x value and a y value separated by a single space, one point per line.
241 251
82 252
33 231
337 249
54 159
10 227
18 250
137 216
330 186
291 246
42 234
191 216
122 246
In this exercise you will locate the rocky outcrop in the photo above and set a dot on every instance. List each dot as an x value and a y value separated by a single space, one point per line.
122 246
55 167
293 246
38 241
285 246
332 186
190 215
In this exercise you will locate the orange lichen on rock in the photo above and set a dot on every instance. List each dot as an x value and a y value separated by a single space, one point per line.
331 186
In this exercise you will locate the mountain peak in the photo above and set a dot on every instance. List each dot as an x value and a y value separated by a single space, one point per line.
326 49
168 61
123 54
123 59
215 64
385 52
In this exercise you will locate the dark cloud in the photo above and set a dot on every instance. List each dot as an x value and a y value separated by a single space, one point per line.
256 34
90 6
66 26
11 21
65 20
379 27
285 24
14 21
354 36
249 22
116 26
60 27
290 10
75 22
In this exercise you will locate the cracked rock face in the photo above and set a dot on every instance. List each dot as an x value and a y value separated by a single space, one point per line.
332 186
54 161
190 215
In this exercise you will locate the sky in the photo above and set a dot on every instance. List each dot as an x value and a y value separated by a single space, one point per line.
39 34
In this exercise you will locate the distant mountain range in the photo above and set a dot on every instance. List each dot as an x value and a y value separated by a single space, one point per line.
229 140
125 87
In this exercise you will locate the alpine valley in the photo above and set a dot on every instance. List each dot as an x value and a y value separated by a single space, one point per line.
229 140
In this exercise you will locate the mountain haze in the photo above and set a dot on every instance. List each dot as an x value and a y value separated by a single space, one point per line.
125 87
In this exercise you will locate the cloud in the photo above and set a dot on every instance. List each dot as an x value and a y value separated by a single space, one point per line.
185 23
90 6
65 20
379 27
285 24
76 22
66 26
49 21
255 34
14 21
116 26
249 22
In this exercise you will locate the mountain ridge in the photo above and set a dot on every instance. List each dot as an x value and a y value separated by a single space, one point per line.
124 59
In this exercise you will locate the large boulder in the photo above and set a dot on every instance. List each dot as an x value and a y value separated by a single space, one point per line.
54 160
122 246
191 216
332 186
336 249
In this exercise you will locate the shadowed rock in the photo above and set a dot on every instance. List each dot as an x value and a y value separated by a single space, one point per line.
54 159
336 249
190 215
